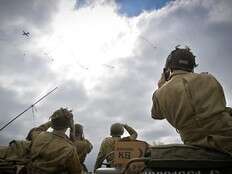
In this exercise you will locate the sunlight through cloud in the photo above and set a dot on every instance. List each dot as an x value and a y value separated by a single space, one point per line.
86 41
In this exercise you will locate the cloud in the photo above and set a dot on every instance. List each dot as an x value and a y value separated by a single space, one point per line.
9 105
23 12
23 69
186 23
124 7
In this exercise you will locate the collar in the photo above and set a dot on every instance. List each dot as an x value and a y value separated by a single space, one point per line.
178 72
59 133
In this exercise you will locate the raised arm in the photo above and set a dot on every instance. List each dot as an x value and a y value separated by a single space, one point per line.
45 126
37 130
72 131
155 110
131 131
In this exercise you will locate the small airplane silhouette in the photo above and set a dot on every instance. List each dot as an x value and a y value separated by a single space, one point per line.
108 66
25 33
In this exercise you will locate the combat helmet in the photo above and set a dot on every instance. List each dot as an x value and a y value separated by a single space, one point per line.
116 129
181 59
61 119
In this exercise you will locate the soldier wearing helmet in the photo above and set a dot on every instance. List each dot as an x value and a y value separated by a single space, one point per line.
83 145
107 145
193 103
53 152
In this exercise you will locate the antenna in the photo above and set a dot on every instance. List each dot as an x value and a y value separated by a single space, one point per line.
28 108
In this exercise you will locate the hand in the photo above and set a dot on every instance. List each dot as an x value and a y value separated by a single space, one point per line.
161 81
68 114
229 110
71 123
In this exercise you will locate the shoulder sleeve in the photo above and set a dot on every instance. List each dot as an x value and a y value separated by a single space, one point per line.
45 126
73 164
101 154
220 88
34 132
155 110
90 146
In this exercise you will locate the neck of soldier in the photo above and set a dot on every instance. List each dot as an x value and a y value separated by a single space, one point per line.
60 131
116 136
181 70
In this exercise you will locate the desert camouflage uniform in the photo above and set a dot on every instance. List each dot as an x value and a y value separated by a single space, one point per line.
107 146
195 105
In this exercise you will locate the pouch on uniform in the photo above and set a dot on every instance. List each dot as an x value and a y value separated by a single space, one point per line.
125 150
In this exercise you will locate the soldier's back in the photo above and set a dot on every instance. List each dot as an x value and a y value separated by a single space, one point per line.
49 153
195 105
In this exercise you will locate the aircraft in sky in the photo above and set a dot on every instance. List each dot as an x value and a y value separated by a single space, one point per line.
25 33
108 66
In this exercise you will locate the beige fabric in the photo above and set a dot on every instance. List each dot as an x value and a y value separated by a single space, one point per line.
17 151
3 152
125 151
83 147
108 145
37 130
195 105
51 153
162 80
106 148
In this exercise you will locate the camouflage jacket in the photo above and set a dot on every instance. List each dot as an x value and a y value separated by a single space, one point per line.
195 105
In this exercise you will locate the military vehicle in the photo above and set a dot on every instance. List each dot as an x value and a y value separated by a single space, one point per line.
132 157
172 159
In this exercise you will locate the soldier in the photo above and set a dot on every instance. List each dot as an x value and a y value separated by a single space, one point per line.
37 130
18 150
107 145
193 103
53 152
83 146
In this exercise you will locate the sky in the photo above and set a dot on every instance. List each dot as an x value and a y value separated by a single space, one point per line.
105 57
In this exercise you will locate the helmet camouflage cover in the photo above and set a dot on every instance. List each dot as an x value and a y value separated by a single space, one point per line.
61 118
116 129
181 58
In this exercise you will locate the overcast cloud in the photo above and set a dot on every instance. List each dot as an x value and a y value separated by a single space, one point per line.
101 91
